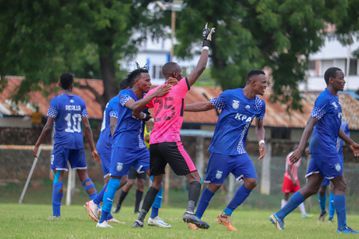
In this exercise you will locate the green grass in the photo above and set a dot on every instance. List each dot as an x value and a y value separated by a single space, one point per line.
30 221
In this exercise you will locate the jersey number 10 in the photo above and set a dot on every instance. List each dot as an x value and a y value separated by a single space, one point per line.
73 123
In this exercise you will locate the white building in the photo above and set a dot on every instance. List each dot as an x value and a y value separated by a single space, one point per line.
332 53
155 53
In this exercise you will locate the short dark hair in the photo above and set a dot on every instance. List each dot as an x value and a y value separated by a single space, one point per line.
133 75
169 68
331 72
66 80
254 73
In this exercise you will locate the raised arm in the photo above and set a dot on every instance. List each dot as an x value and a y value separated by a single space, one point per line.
138 106
303 140
89 138
203 59
199 106
44 133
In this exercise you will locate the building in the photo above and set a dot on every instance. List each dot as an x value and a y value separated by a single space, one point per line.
333 53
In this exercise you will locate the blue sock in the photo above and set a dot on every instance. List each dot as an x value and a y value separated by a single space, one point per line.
203 202
158 200
322 201
154 212
241 195
109 216
331 205
56 198
108 196
99 196
339 204
292 204
156 205
87 184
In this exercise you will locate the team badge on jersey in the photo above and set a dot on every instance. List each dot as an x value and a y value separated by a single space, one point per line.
338 167
235 104
72 101
119 167
219 174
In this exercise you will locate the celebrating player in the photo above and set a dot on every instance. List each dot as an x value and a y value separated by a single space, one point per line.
228 155
104 146
325 121
165 141
128 148
68 112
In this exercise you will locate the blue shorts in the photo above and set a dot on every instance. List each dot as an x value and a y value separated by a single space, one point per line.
328 166
325 182
60 156
220 165
122 159
105 156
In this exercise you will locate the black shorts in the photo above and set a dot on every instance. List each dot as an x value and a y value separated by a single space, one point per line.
133 174
172 153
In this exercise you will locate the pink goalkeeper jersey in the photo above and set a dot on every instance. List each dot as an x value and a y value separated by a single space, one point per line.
168 113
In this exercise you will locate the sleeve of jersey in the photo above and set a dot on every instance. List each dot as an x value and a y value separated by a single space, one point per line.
114 113
319 109
218 102
84 111
183 86
52 111
124 99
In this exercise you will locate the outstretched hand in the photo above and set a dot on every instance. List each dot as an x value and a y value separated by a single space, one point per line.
95 156
262 151
295 156
355 149
172 81
163 89
207 35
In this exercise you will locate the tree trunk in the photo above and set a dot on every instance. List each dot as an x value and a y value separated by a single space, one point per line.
108 75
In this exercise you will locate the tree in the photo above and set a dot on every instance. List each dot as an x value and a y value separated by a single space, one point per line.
260 33
40 39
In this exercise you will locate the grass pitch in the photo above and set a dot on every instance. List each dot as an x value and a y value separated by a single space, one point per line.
31 221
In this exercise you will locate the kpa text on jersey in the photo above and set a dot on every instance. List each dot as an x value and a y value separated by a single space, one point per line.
243 117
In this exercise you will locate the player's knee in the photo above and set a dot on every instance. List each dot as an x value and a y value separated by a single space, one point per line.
194 176
140 185
250 183
213 187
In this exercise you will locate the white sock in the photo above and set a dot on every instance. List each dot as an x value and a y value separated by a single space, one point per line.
302 209
283 203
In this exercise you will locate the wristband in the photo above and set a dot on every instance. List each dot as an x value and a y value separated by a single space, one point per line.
205 48
261 142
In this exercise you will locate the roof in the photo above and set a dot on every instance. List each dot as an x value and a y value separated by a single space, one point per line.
276 113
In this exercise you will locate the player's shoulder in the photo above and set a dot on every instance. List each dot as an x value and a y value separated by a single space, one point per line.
323 98
125 92
76 99
114 99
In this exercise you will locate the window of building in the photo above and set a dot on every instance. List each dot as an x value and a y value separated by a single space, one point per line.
281 133
311 65
353 67
157 72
